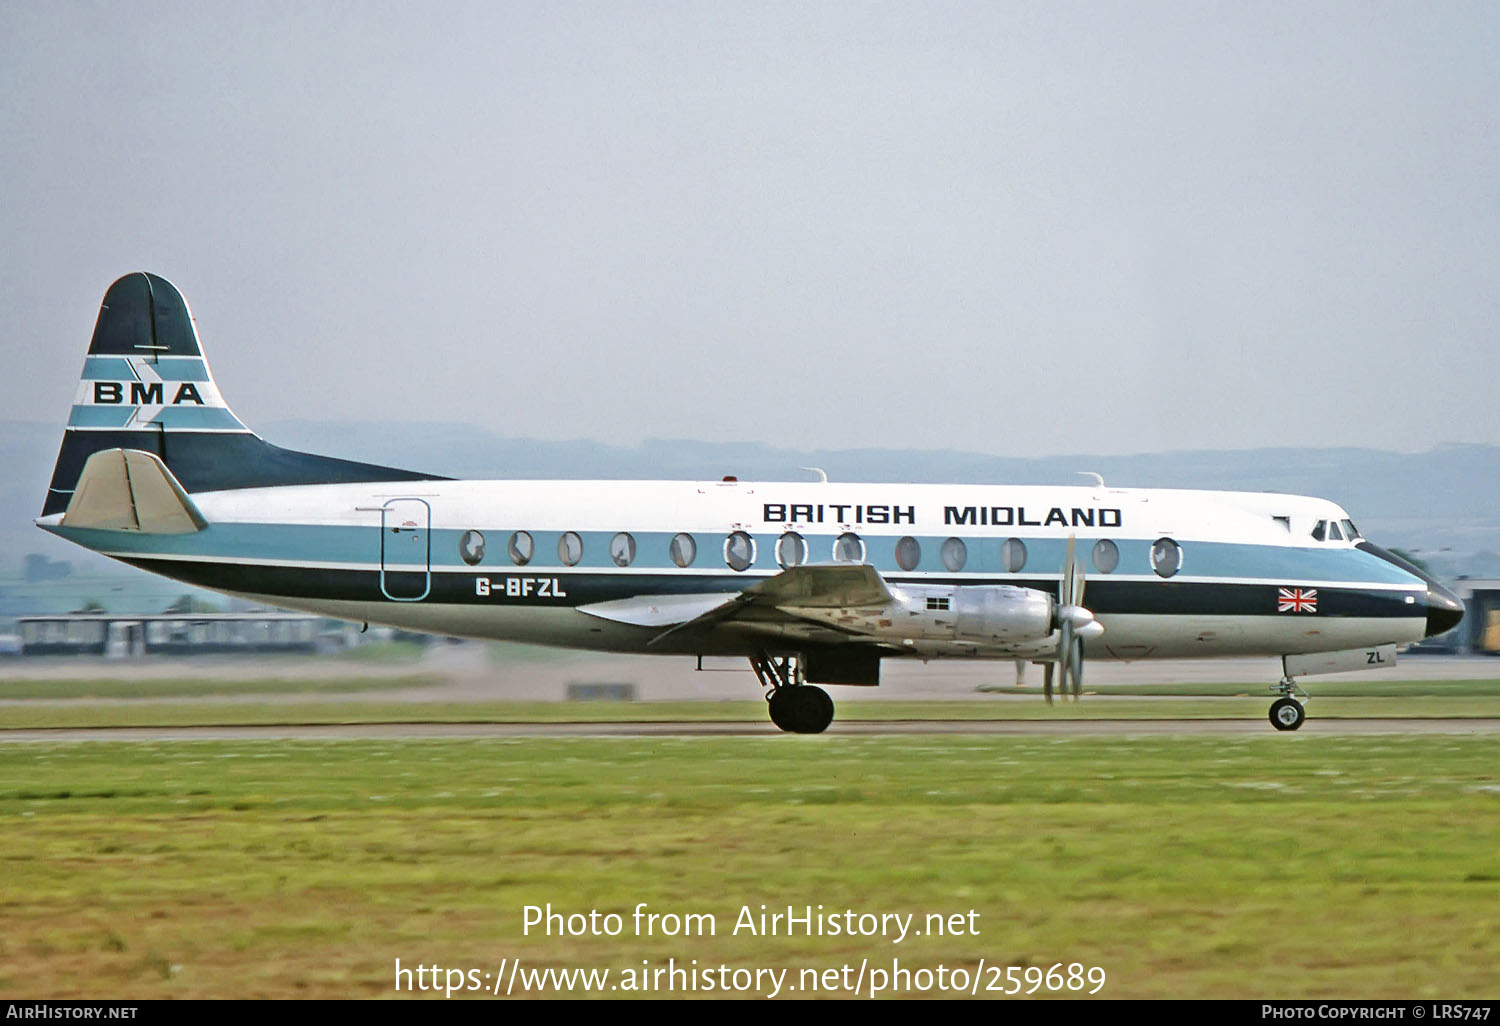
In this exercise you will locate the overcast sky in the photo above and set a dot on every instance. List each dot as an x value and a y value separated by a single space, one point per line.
1015 228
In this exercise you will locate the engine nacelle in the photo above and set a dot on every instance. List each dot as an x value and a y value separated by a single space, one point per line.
982 613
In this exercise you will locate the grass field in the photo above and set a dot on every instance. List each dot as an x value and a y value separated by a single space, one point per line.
1284 866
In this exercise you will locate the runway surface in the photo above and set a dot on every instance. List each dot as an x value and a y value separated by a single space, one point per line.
474 672
866 728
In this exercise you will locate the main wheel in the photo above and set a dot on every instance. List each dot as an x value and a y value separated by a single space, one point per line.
782 707
1287 714
819 713
801 709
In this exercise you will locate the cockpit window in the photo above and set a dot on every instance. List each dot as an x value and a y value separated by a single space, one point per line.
1320 530
1334 534
1350 531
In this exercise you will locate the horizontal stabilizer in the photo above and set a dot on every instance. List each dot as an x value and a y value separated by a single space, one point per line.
131 490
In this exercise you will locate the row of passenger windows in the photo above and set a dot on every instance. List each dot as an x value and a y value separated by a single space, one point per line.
793 550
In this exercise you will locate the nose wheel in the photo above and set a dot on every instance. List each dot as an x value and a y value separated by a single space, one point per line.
795 706
1286 712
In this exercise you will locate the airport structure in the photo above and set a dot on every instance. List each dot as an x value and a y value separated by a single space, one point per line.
1480 630
120 635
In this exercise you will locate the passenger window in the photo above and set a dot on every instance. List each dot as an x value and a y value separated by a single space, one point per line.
791 550
739 551
1166 557
1013 555
848 548
471 547
954 554
520 548
683 549
622 549
1106 556
908 553
570 548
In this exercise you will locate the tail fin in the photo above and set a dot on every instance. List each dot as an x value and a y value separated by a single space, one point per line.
146 386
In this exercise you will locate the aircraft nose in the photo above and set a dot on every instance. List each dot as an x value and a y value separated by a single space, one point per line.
1444 609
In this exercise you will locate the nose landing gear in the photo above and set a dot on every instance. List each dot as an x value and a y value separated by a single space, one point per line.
1286 712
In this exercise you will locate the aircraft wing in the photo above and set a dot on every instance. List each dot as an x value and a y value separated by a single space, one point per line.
824 586
772 600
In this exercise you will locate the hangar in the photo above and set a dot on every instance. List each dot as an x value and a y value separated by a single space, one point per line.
1479 632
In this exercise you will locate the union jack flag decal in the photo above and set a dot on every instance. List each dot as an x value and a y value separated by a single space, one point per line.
1296 600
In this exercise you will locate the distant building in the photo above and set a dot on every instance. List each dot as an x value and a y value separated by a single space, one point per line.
120 635
1480 629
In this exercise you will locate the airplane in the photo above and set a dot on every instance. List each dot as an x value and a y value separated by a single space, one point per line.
815 582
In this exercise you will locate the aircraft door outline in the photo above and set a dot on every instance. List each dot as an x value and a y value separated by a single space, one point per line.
405 538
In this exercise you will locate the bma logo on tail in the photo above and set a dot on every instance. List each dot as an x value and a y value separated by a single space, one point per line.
143 393
175 393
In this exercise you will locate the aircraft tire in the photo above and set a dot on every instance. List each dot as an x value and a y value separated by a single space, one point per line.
1287 714
782 707
818 710
801 709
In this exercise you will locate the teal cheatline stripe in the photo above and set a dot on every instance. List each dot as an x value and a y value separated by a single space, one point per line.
100 416
107 368
196 418
167 368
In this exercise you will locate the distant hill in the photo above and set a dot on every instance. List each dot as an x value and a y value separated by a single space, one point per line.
1443 505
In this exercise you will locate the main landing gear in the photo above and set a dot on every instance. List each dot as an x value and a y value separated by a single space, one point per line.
1286 711
795 705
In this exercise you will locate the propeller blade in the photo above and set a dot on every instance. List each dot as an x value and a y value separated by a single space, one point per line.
1047 669
1065 655
1069 576
1073 621
1077 668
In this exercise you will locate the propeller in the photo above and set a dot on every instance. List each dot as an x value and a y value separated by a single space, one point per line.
1074 623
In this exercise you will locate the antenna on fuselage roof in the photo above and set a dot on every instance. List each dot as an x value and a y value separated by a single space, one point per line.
1098 478
822 474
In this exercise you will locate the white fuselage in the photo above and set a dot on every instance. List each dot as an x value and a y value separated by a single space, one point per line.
517 559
